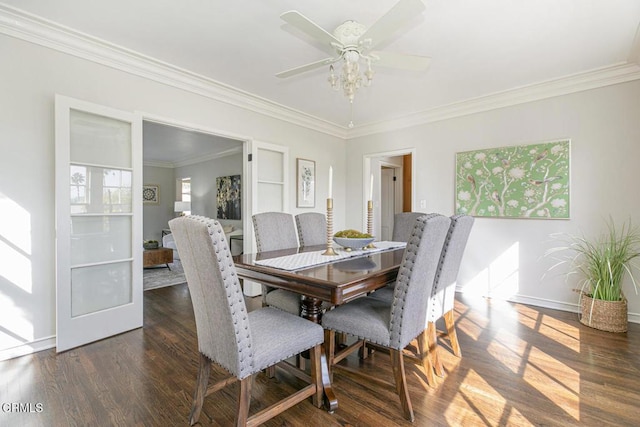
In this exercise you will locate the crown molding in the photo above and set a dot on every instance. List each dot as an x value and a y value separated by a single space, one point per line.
32 28
25 26
193 160
619 73
207 157
158 164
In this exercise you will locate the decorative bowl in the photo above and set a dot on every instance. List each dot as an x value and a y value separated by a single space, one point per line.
353 243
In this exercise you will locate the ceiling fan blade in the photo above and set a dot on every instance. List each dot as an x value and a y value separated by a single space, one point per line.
391 21
400 60
307 67
309 27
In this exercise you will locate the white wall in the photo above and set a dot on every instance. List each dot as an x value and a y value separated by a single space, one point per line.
156 216
203 184
504 256
31 75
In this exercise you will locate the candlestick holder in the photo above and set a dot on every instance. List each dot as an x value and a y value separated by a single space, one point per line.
329 250
370 223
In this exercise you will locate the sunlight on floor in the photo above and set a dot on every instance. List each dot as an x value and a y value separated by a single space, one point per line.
561 383
474 398
540 364
563 333
472 326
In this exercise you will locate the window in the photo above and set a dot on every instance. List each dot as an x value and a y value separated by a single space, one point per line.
184 185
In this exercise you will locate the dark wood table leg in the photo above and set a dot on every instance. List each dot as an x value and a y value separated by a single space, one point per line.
330 399
312 310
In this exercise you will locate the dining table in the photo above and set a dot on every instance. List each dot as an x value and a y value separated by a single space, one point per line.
323 280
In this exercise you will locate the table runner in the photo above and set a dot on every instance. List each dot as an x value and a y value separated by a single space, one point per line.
309 259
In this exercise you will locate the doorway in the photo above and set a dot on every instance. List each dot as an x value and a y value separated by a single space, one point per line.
263 168
183 161
173 152
390 199
393 188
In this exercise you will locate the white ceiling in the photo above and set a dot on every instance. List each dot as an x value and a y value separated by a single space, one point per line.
169 146
477 47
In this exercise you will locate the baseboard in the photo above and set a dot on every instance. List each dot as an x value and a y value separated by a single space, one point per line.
547 303
28 348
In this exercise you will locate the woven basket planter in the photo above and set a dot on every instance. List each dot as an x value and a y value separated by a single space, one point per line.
610 316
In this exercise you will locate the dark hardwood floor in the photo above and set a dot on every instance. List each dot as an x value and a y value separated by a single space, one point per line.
521 366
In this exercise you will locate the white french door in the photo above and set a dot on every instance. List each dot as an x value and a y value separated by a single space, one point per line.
269 168
98 222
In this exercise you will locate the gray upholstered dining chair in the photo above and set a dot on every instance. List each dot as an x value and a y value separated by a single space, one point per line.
275 231
394 324
312 228
442 299
240 342
403 225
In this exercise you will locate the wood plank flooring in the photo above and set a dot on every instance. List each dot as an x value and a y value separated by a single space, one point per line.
521 366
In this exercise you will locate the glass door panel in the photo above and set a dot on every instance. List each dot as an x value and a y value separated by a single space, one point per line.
269 166
100 140
100 238
99 190
270 197
100 287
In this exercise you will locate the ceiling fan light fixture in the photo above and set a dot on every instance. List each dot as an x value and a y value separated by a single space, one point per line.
352 56
353 42
333 79
368 75
350 79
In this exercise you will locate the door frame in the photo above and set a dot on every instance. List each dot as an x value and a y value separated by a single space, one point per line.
249 195
246 166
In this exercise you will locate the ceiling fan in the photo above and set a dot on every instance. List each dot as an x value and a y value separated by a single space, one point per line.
352 42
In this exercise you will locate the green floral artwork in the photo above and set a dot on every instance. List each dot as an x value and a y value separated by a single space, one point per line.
526 181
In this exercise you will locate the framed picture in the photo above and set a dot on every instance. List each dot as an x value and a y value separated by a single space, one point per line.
525 181
150 194
228 198
306 183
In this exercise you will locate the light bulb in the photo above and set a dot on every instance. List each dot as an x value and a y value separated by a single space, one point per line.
352 56
369 74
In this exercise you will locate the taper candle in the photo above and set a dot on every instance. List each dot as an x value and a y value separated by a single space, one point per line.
330 182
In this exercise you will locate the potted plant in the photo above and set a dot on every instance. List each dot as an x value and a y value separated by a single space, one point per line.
602 264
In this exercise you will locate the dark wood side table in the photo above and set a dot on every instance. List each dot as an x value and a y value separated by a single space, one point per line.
158 256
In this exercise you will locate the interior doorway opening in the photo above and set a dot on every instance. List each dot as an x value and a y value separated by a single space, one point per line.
393 188
174 153
187 163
